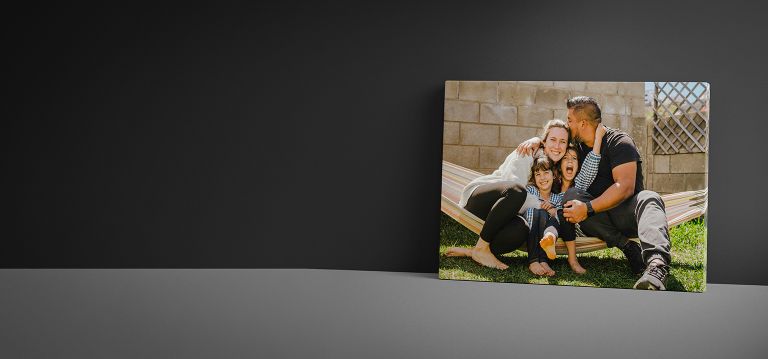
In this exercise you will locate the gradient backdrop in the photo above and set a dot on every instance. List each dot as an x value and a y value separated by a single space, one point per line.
309 136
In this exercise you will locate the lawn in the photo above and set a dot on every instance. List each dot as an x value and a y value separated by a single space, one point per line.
605 268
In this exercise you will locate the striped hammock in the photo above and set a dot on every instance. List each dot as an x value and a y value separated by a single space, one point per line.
680 207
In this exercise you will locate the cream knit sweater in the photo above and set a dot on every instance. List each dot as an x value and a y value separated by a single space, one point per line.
516 168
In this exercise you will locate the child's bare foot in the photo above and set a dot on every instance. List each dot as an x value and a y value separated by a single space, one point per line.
576 267
536 268
547 243
548 271
458 252
482 254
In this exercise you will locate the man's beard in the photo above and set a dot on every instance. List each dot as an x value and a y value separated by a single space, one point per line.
577 138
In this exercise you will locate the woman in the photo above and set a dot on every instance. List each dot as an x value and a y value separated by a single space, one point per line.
500 197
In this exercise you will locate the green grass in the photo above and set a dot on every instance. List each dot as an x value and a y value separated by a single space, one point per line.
605 268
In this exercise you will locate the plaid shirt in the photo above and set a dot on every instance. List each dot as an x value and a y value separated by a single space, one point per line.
555 198
588 171
582 181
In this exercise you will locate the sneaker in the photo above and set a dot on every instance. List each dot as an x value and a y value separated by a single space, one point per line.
654 278
634 254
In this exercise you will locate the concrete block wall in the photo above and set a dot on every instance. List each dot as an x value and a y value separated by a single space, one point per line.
486 120
678 172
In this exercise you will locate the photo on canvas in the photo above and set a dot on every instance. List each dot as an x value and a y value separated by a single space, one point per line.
600 184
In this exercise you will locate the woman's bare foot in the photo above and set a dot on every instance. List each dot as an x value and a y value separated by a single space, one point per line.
536 268
576 267
458 252
548 271
482 255
547 243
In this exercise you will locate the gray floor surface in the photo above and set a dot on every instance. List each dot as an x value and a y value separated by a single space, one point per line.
298 313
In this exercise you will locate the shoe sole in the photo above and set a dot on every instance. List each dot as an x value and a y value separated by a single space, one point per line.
647 285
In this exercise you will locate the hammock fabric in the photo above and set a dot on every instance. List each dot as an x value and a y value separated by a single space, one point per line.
680 207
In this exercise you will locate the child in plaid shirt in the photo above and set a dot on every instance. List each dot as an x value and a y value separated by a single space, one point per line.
544 223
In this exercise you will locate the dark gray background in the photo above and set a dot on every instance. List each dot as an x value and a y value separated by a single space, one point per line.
305 135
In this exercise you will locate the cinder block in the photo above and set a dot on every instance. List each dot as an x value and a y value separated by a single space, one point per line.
648 177
611 121
571 85
561 114
498 114
668 183
661 163
533 116
695 181
464 156
614 105
514 93
606 88
551 97
645 177
483 91
650 147
637 107
452 90
600 98
638 131
451 133
493 157
479 135
688 163
511 136
632 88
624 123
461 111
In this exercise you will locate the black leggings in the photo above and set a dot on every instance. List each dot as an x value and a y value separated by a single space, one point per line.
499 204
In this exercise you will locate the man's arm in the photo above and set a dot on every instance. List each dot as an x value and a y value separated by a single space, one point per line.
623 188
624 176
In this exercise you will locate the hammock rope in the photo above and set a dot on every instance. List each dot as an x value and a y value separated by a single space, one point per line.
680 207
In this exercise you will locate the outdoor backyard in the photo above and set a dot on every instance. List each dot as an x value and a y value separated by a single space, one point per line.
605 268
668 123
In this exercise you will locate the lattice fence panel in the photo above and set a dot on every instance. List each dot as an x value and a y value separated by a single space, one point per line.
681 117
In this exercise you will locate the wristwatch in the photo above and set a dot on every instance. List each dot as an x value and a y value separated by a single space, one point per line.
590 210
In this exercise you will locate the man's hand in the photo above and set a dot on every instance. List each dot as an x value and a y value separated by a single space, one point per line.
575 211
529 146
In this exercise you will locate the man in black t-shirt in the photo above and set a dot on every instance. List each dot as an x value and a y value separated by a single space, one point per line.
617 149
616 207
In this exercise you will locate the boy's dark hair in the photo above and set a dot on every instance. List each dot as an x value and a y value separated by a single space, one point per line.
541 163
587 105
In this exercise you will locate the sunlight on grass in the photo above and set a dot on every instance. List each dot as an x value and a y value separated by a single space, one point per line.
605 268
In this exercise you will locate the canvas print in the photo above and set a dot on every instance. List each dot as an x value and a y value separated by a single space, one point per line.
600 184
